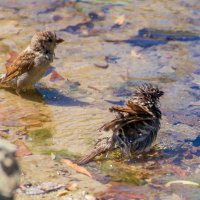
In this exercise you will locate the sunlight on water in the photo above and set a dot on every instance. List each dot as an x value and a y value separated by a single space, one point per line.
110 48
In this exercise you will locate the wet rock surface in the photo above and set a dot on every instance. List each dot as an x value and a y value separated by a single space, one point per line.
110 48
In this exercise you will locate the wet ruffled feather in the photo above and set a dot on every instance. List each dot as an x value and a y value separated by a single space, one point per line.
135 127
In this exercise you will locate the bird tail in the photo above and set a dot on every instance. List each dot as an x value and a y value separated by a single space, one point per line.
2 78
4 84
101 148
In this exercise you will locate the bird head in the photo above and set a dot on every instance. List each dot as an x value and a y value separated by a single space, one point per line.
45 40
149 94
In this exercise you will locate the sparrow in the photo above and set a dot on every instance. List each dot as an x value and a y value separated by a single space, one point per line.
32 63
135 127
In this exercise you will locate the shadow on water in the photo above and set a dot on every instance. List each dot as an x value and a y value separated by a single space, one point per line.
168 35
54 97
50 96
147 37
185 150
151 37
158 160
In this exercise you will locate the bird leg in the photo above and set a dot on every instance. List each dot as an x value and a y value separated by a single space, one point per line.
18 92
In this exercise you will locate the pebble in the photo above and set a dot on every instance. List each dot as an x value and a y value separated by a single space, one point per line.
89 197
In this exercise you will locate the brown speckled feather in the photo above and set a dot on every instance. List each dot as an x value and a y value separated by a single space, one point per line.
134 128
23 63
133 112
137 108
132 108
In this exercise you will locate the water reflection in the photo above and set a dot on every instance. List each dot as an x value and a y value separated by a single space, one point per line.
51 96
165 35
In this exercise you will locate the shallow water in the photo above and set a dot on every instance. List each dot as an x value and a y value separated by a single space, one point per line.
101 63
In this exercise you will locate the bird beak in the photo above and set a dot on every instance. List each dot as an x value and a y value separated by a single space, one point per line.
59 40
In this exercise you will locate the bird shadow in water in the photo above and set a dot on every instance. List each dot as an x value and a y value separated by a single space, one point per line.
54 97
186 150
50 96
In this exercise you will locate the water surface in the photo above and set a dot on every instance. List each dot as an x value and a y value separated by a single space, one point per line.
155 41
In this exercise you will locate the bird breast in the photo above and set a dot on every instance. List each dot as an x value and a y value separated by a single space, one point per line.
41 64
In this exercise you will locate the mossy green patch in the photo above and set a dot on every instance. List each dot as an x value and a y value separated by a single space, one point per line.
41 136
121 173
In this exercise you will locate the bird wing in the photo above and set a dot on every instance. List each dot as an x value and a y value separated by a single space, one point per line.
23 63
132 109
131 113
137 108
110 125
121 121
122 109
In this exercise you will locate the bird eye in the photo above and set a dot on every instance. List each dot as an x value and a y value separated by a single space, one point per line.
50 40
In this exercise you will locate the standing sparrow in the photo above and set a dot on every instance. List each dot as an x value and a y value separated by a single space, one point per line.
32 63
135 127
